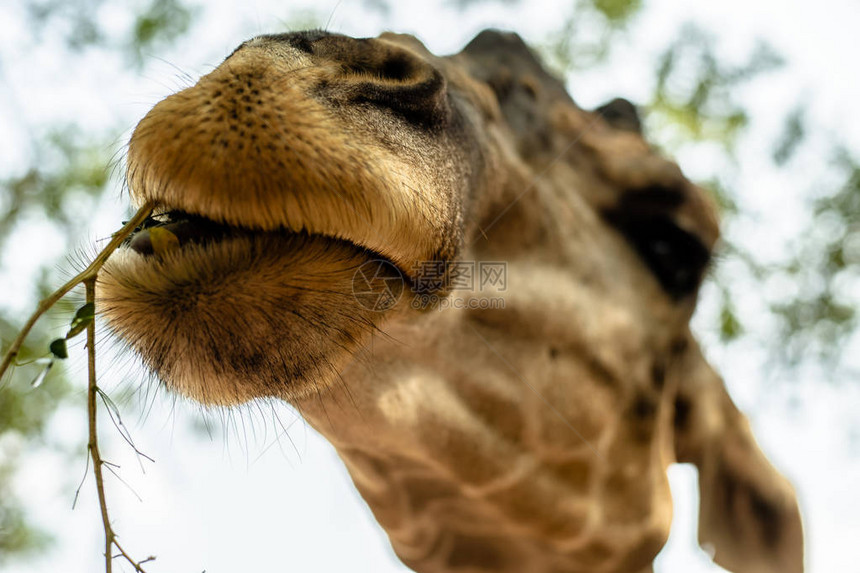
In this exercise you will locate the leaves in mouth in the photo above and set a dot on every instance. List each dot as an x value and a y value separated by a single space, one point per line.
163 241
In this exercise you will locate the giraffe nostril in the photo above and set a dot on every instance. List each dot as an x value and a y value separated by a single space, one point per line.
381 73
396 68
390 77
414 90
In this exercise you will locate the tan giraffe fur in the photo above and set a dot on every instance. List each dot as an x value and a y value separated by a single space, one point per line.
529 438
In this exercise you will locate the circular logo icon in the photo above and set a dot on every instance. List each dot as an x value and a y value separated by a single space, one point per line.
377 285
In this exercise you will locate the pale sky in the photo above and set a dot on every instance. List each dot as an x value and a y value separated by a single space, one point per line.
254 498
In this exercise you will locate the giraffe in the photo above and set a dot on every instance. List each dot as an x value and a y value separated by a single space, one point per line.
532 435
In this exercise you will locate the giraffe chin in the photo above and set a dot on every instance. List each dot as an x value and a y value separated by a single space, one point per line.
293 294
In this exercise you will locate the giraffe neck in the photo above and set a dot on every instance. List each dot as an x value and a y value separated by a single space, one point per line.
481 451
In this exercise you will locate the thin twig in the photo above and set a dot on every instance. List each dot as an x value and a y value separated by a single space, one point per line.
113 412
88 274
93 445
93 393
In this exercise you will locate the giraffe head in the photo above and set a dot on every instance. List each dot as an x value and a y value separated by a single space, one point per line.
527 427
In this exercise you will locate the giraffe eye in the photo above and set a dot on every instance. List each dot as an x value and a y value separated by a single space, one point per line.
677 258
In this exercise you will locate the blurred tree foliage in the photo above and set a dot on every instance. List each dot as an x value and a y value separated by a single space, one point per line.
694 101
694 98
587 34
157 23
64 172
816 323
68 168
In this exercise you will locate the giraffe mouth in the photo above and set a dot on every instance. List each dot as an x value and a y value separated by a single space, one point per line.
185 230
299 299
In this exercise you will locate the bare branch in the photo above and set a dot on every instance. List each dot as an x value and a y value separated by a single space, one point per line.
93 392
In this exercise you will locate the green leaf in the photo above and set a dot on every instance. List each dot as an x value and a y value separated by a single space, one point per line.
83 318
162 22
617 11
792 136
730 326
58 348
163 240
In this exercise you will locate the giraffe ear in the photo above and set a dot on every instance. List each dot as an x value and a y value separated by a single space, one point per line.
748 513
749 519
